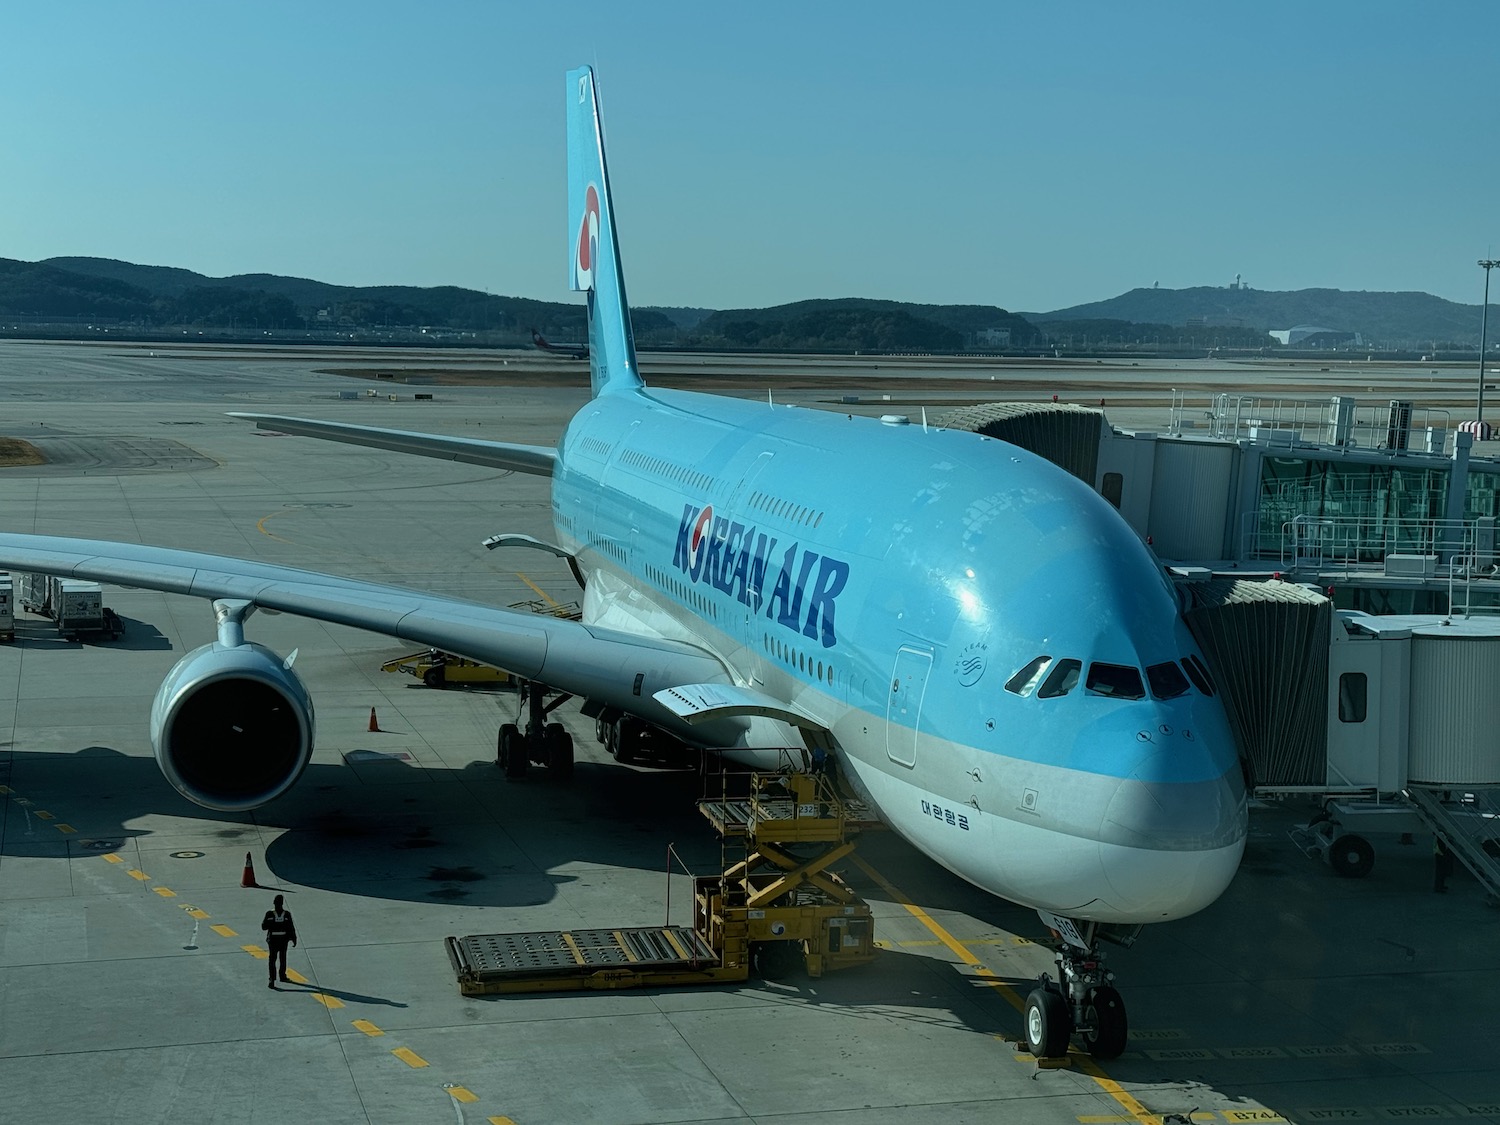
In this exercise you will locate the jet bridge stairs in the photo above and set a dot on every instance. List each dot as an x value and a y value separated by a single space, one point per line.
1468 824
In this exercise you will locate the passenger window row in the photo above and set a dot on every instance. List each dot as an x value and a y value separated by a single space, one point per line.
1048 679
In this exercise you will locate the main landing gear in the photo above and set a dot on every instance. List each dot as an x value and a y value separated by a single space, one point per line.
542 743
1082 999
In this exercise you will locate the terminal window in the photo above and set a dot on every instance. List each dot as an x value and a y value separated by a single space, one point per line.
1352 689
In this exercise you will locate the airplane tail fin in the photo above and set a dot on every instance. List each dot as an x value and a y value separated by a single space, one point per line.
594 253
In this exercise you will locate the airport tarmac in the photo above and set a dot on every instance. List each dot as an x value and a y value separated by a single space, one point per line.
131 971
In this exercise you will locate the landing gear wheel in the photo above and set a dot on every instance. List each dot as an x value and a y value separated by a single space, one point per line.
1351 856
435 677
612 739
627 740
600 732
1104 1012
1047 1024
557 746
511 751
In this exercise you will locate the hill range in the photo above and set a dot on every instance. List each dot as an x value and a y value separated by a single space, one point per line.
76 289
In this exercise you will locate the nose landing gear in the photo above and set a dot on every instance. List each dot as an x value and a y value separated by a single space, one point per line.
1082 999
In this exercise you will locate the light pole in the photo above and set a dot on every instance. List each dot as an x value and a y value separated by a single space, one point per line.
1485 264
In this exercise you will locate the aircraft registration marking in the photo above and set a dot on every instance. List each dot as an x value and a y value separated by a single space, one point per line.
1181 1054
1334 1113
1397 1049
1252 1052
1248 1115
947 816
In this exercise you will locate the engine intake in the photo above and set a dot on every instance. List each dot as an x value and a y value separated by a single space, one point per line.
232 726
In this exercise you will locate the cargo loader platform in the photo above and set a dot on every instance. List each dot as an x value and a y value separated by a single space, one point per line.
583 959
776 908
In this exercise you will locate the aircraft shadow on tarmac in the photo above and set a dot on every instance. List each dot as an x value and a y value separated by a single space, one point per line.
387 829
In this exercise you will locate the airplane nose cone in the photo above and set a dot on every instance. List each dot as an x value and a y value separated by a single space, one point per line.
1171 847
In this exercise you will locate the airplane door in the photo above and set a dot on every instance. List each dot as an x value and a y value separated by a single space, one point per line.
904 710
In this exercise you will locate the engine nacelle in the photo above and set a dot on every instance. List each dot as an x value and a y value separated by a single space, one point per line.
232 726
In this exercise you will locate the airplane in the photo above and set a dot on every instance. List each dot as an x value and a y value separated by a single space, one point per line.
988 654
580 351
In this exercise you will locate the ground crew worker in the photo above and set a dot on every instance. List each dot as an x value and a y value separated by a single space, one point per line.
280 930
1442 866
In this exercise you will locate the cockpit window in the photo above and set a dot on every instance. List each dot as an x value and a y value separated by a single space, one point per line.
1198 674
1061 679
1024 681
1167 681
1118 680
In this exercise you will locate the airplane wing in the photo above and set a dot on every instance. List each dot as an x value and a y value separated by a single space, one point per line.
538 460
617 668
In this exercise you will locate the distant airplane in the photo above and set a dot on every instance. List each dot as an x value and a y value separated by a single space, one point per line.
990 655
572 351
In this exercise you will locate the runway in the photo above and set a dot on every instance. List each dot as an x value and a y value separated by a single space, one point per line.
128 993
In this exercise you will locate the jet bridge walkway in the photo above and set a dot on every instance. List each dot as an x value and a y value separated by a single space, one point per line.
778 906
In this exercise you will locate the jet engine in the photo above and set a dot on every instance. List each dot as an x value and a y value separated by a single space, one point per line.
232 726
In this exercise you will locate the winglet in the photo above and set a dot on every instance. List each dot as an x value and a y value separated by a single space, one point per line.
593 250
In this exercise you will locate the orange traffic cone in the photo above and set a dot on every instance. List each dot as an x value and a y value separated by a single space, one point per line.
374 726
248 878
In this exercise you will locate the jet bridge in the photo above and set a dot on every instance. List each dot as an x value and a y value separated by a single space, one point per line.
777 907
1412 716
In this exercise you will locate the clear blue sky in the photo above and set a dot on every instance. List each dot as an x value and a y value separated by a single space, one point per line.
1030 156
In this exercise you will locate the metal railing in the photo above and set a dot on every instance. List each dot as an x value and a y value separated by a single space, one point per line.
1393 425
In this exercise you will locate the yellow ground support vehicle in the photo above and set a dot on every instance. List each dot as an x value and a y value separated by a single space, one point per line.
436 669
778 909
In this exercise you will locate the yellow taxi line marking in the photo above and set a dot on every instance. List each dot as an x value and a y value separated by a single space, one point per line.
165 892
194 912
260 526
112 858
43 814
223 931
539 591
329 1002
6 789
963 954
141 875
463 1094
1123 1097
409 1057
295 977
64 828
255 951
368 1028
502 1120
